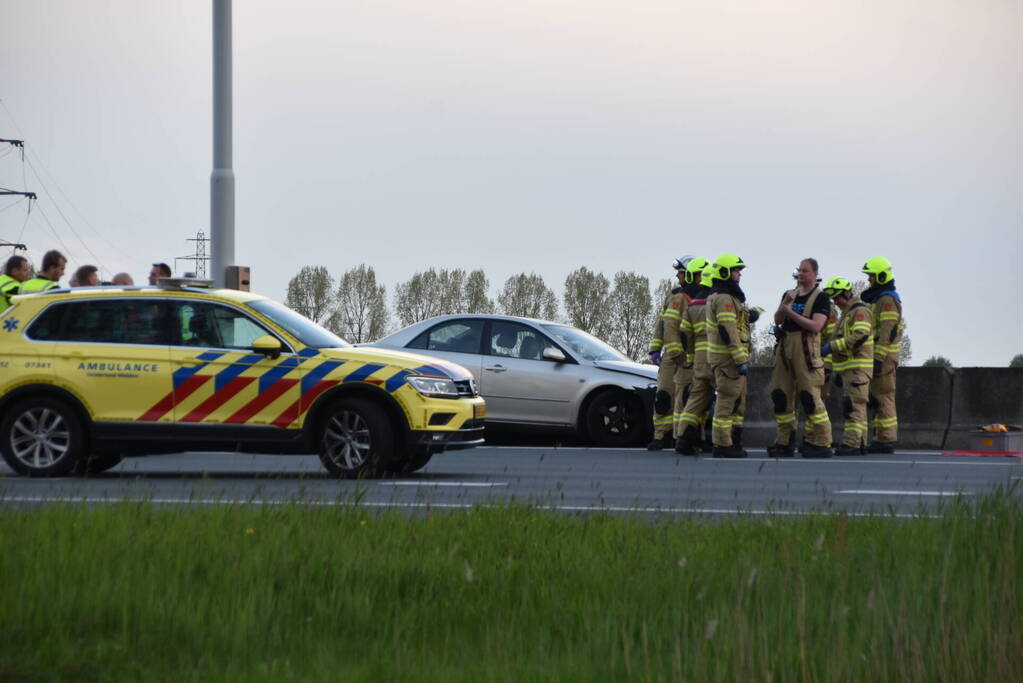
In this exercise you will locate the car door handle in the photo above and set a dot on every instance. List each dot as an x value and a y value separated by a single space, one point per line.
496 368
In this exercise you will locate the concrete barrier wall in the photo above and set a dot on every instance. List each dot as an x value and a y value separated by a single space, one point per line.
937 407
982 396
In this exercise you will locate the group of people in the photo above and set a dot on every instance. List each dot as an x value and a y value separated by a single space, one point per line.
701 343
18 277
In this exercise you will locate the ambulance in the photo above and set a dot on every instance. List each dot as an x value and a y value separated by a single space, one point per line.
92 375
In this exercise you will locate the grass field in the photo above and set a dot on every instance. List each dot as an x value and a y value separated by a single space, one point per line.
276 593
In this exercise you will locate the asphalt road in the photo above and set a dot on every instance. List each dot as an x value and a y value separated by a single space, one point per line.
570 479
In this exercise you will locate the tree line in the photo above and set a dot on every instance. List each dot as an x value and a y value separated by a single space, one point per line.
620 309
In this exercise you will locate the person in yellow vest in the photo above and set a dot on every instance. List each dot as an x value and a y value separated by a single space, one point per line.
886 305
852 352
666 353
694 331
51 272
798 369
728 352
16 271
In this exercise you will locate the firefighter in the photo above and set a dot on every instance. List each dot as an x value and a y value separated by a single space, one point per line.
693 335
798 369
47 277
852 352
701 391
728 352
886 305
16 271
666 352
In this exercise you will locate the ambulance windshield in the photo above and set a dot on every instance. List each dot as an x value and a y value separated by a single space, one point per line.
304 329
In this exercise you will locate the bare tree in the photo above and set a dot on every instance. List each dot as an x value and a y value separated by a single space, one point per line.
361 311
586 302
528 296
311 293
632 314
662 293
451 290
419 298
476 299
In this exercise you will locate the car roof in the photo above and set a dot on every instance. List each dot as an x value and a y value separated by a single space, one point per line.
114 291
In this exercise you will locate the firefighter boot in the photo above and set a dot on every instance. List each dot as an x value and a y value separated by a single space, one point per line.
881 447
688 443
733 451
781 450
737 440
811 450
848 450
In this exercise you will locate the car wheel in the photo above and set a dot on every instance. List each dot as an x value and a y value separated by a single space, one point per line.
357 440
42 437
96 463
614 418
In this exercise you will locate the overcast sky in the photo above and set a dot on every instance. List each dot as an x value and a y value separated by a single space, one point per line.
540 136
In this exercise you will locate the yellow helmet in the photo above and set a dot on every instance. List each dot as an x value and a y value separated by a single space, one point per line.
707 275
880 268
836 286
725 264
694 268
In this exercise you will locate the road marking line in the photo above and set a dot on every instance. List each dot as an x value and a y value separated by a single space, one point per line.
460 506
882 492
466 484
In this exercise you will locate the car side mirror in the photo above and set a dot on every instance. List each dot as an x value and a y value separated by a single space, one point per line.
554 354
268 345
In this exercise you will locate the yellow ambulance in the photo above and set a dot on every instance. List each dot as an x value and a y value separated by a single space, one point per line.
89 376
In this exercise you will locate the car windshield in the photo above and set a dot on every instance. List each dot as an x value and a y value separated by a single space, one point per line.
304 329
583 344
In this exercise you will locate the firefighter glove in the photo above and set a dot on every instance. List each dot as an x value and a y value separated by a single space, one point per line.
655 356
826 349
744 369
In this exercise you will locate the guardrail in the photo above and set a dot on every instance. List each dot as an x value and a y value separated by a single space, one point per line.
937 407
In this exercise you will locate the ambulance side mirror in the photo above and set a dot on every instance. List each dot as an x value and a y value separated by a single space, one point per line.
268 345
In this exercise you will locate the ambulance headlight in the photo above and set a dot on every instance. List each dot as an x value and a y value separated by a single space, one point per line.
440 387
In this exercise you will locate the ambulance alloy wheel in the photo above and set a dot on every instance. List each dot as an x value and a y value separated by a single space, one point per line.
42 437
357 441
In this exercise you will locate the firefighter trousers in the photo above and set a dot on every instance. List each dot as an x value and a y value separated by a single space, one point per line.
701 393
664 399
882 401
683 387
794 378
855 395
730 411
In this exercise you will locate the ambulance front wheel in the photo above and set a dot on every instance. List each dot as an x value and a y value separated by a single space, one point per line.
357 439
42 437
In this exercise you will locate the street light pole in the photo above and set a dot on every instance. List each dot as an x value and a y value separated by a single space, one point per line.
222 178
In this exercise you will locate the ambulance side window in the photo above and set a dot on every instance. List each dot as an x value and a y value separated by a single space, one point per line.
102 321
213 326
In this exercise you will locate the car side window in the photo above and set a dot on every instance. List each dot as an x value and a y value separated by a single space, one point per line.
207 325
514 340
102 321
459 336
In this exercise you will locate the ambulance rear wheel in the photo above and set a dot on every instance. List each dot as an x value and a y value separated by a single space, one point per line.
357 439
42 437
415 460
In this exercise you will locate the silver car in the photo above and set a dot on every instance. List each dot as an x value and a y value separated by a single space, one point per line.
539 374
